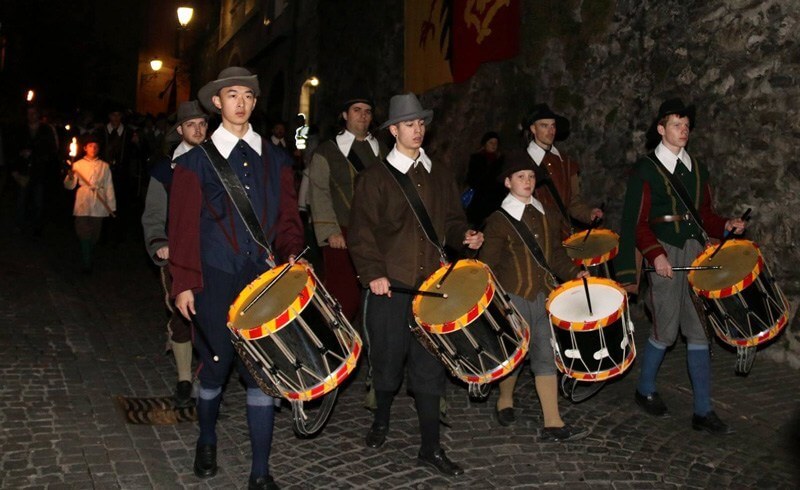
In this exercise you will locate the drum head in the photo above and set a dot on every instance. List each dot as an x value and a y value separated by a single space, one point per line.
602 245
739 259
466 287
293 290
570 310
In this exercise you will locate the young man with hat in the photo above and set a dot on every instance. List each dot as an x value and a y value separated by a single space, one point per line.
545 127
191 125
212 255
391 249
656 221
332 174
528 282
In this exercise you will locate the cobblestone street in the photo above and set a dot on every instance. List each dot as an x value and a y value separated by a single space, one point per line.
70 343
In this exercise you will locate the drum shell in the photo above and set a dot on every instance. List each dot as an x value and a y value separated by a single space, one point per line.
305 351
484 341
593 350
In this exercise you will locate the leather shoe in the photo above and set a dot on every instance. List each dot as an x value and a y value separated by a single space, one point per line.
652 404
506 417
711 424
377 435
183 395
441 462
563 434
205 460
262 483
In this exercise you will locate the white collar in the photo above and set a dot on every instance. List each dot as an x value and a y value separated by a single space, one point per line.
225 141
403 163
515 207
120 129
278 141
670 160
344 141
537 152
182 148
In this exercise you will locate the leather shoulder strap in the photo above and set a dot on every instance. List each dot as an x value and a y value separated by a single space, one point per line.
681 192
418 207
233 186
530 243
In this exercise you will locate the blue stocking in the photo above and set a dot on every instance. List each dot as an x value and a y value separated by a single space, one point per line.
260 419
651 362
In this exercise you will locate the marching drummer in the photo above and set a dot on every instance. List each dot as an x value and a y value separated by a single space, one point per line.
667 216
392 249
558 179
213 255
523 248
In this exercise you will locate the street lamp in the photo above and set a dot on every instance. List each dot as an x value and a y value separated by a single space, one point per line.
185 15
156 64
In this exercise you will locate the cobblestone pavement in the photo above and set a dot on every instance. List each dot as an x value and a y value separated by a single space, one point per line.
69 343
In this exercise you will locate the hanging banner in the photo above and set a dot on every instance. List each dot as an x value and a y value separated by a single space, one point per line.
483 30
427 41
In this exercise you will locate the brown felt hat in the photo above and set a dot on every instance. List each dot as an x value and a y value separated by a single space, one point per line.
233 75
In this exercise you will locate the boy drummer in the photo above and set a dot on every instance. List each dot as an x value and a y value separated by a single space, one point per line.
528 280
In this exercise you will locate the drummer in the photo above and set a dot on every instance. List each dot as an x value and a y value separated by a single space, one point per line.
390 249
528 282
213 257
656 223
558 179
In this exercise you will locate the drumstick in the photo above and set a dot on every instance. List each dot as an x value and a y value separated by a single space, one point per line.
592 226
586 290
272 283
728 234
446 273
687 268
417 292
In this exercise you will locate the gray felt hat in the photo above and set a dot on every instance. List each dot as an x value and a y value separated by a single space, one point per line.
406 107
233 75
188 110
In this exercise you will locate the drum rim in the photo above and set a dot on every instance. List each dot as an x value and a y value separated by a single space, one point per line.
467 317
599 259
736 287
592 325
506 367
288 315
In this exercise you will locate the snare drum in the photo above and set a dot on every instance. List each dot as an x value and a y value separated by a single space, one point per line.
294 338
744 304
595 252
476 332
591 346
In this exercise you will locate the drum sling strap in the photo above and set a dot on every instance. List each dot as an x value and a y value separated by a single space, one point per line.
355 160
233 186
418 207
683 196
530 243
543 176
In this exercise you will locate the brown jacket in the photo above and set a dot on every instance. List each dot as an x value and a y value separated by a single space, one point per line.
504 251
385 239
564 173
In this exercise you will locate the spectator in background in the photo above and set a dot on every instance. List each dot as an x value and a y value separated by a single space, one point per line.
484 168
35 159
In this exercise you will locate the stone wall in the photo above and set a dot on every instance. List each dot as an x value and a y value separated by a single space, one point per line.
608 65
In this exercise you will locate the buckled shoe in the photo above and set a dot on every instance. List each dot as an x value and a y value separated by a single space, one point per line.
652 404
205 460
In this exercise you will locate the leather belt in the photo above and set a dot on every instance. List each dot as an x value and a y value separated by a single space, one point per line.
670 218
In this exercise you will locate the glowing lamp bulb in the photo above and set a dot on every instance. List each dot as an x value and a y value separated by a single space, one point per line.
73 147
185 15
30 95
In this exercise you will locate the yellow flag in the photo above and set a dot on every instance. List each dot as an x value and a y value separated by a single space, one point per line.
427 38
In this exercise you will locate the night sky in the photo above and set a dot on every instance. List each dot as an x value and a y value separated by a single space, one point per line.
74 54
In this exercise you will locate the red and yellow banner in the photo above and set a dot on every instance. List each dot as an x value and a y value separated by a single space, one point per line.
447 40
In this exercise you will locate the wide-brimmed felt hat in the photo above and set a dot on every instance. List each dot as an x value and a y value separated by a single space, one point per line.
515 160
186 111
233 75
355 98
406 107
676 106
667 108
543 111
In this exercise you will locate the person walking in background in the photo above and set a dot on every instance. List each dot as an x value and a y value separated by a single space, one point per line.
94 200
191 125
484 167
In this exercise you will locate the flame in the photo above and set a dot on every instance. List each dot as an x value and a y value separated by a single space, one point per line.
73 147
